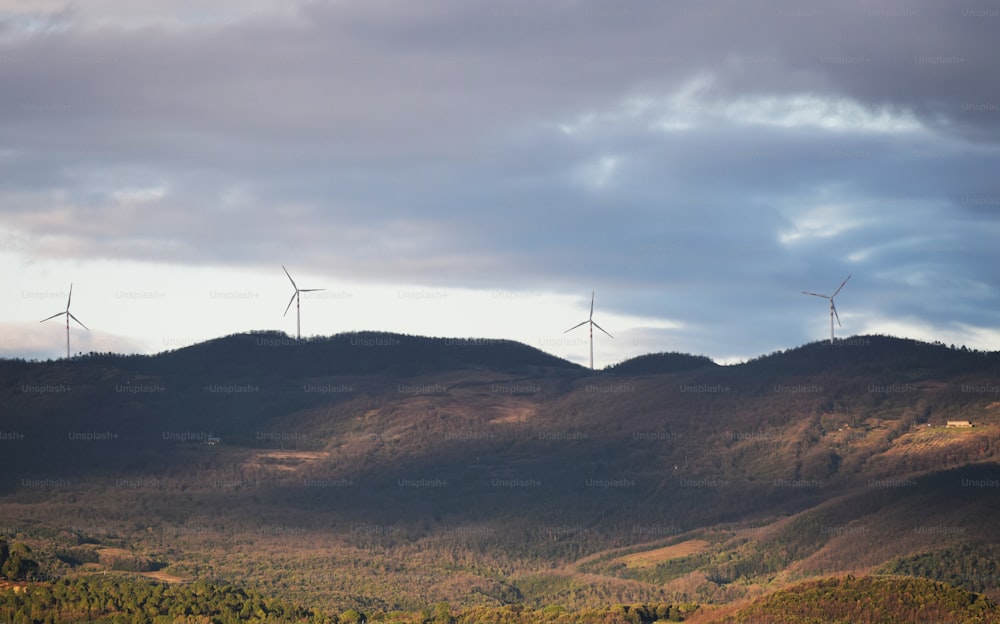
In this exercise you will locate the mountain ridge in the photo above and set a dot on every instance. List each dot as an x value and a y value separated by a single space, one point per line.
843 351
393 458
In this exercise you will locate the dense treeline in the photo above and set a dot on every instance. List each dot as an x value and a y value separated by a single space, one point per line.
354 353
871 600
661 363
618 614
975 567
116 599
875 354
110 600
102 599
16 563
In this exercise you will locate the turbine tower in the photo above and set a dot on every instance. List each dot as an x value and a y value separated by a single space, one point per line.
833 308
590 321
69 315
298 307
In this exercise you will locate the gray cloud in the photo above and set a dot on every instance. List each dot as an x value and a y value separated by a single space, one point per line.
698 153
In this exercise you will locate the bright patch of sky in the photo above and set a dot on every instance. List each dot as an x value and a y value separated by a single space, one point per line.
823 221
958 334
28 18
599 173
697 105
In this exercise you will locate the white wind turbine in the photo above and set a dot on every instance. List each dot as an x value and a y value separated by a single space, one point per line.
298 307
590 321
833 308
69 315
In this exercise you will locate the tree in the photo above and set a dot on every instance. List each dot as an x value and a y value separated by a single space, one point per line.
442 614
16 563
352 617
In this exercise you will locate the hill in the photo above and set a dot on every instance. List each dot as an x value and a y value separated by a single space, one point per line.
873 354
359 353
238 387
661 363
387 471
887 600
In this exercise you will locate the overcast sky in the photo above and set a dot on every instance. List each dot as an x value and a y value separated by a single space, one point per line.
477 169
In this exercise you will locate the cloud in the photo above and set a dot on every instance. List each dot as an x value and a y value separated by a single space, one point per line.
695 160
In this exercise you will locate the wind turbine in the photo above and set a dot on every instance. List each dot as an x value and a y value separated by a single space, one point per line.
69 315
833 308
590 320
298 307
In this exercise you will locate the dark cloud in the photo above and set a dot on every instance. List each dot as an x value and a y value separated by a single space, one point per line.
697 157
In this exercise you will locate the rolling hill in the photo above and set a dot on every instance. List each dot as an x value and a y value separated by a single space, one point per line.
388 471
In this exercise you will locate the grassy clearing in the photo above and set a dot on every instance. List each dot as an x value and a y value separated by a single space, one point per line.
651 558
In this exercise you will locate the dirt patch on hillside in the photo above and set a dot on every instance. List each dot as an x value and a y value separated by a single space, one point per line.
511 415
163 577
284 461
650 558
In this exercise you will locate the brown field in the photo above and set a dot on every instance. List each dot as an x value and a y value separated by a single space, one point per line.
17 586
929 438
513 415
650 558
114 552
284 461
163 577
304 456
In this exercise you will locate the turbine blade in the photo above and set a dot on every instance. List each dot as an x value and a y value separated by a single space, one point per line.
78 321
577 325
591 304
70 298
289 277
815 294
52 317
834 308
602 329
294 295
311 289
841 286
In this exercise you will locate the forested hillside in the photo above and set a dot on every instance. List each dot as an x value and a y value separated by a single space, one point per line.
381 472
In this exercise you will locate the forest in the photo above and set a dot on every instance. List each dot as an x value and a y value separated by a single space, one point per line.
114 599
661 484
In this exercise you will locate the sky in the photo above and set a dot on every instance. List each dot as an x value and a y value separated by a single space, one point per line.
470 168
